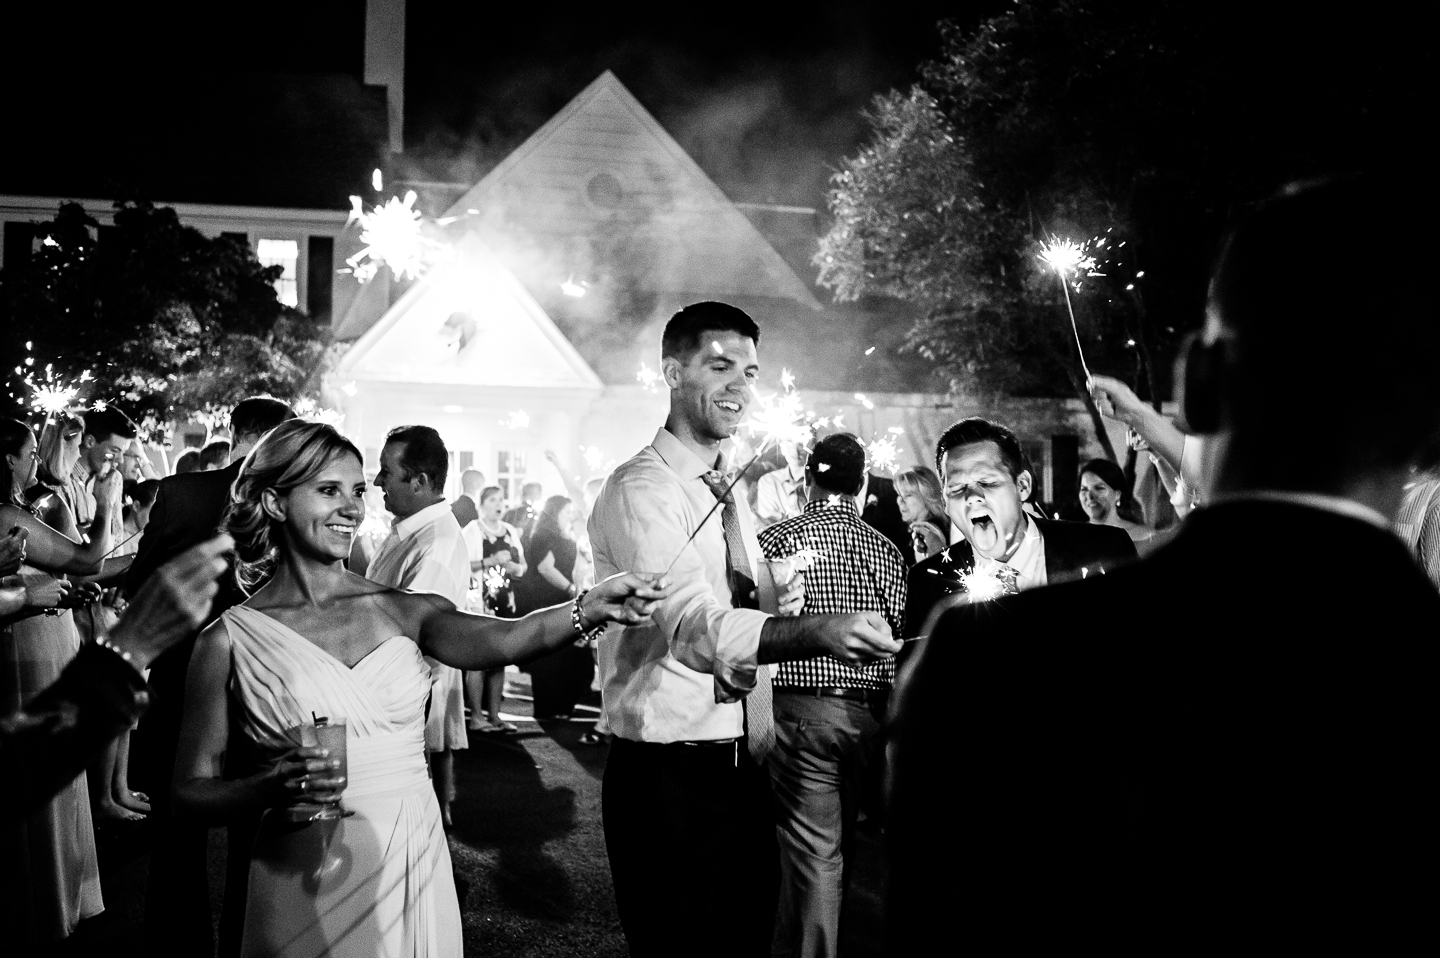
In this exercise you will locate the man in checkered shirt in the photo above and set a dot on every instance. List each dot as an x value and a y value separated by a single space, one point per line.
827 713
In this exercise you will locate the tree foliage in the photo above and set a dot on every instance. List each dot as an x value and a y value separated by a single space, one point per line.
166 319
1148 125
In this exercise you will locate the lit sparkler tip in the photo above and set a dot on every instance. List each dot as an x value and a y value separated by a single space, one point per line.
787 380
1065 257
392 237
982 586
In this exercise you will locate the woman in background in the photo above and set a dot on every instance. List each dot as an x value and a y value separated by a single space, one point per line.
558 680
1106 500
50 877
501 561
922 506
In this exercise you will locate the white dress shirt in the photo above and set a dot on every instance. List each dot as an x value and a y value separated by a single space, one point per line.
425 552
1028 561
679 678
779 495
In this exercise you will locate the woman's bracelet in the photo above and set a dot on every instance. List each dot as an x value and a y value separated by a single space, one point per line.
577 621
104 642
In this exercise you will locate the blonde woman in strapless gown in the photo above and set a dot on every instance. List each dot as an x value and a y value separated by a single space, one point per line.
315 640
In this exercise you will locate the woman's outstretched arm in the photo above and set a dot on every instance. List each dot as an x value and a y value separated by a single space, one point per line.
478 642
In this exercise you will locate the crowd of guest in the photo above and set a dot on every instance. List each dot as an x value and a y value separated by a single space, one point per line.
752 688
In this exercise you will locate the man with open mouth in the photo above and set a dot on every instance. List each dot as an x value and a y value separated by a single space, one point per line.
1003 549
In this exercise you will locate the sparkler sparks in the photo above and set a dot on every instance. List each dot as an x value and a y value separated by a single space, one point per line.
883 454
1066 257
392 237
649 379
51 394
982 586
594 458
778 418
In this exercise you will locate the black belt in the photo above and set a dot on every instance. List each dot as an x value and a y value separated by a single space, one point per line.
837 692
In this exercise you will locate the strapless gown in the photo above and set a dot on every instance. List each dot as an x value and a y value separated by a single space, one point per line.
375 884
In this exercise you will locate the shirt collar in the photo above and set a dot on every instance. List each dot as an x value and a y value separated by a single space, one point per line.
838 502
414 523
1339 505
1024 557
681 457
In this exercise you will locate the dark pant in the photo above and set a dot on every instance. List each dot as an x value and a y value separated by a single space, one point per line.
177 894
690 831
560 679
822 768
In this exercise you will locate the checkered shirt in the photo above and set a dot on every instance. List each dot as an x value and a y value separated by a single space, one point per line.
858 570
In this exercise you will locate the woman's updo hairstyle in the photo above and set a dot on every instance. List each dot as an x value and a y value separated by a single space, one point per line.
288 456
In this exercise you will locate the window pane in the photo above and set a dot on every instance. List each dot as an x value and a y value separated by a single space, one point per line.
503 461
284 253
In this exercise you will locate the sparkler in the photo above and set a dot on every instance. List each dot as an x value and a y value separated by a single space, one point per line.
1066 257
392 237
594 458
779 418
648 378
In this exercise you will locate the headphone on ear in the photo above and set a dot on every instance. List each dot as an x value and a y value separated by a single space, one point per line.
1199 376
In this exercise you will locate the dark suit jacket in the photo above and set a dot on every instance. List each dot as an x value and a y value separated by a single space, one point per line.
465 511
1223 743
1069 548
883 515
187 511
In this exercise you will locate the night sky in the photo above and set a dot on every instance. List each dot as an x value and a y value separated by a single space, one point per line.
765 96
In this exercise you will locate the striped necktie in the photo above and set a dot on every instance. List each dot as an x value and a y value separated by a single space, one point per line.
759 709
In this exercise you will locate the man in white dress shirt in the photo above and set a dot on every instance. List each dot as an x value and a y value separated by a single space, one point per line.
780 493
689 825
426 553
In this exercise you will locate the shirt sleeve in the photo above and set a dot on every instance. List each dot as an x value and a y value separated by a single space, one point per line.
639 525
767 497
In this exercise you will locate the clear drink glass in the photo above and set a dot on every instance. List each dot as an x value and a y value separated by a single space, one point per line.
330 735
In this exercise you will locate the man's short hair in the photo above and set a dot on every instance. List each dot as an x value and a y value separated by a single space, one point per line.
472 481
216 452
978 429
258 415
104 423
422 453
531 490
1337 359
687 328
837 464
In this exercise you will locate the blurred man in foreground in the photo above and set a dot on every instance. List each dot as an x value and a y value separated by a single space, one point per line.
1249 766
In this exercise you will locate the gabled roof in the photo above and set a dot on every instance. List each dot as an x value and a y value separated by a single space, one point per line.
602 188
469 322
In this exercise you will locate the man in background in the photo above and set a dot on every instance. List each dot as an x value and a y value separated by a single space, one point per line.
828 712
466 506
187 511
426 552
